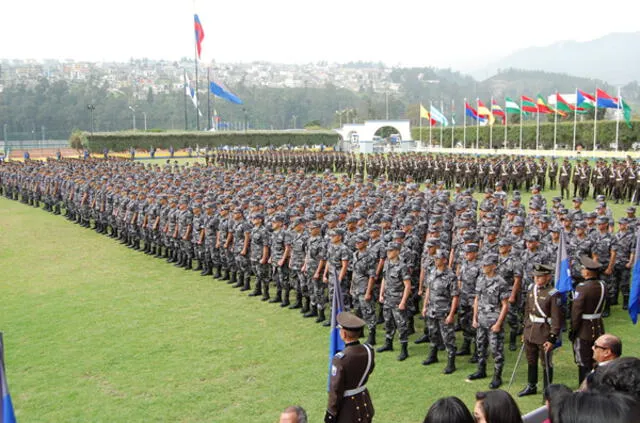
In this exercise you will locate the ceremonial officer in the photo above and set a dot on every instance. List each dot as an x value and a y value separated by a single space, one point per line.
349 400
586 315
543 322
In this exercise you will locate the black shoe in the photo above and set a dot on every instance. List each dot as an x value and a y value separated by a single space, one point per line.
371 340
465 349
285 299
218 274
451 365
247 284
528 390
277 298
388 346
512 341
199 267
257 291
422 340
404 353
432 357
320 317
481 373
298 303
239 281
313 312
227 276
206 271
305 305
326 323
625 302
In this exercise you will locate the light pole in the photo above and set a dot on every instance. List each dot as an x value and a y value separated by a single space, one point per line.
295 121
145 120
4 130
134 117
91 108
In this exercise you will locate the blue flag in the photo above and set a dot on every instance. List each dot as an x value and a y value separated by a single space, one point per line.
634 295
564 283
336 344
219 90
6 407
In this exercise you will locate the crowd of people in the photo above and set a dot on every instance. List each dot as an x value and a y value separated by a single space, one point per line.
396 252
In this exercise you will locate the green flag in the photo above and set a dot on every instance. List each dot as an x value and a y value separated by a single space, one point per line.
626 110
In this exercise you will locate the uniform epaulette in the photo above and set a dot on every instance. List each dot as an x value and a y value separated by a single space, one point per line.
553 292
580 284
339 354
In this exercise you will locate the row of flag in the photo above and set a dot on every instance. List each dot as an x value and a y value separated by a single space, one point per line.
487 115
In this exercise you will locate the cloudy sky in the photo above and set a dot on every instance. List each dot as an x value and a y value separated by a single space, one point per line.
457 33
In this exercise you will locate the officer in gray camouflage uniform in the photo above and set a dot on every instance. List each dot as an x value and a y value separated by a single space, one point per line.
468 273
259 256
221 239
227 249
296 262
209 225
364 272
169 229
280 249
338 260
489 312
604 252
510 269
394 295
241 237
439 307
625 250
184 229
315 259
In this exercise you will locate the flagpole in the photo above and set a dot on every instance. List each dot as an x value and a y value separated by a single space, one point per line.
195 93
521 122
430 111
575 121
595 124
420 117
555 124
186 118
506 123
453 124
490 128
478 124
441 123
537 127
208 100
618 118
464 125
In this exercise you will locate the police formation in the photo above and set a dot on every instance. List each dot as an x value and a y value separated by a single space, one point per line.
478 273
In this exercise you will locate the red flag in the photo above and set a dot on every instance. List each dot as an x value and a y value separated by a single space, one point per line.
199 34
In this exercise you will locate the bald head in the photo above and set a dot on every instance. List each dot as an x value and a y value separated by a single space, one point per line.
293 414
608 347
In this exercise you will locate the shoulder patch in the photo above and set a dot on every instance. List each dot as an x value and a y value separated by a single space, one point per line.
553 292
334 370
576 295
339 354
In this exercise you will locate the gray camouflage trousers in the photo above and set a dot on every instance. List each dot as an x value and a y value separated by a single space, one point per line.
368 309
438 329
395 319
485 337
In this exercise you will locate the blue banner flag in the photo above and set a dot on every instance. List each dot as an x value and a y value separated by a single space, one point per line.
336 344
219 90
634 295
564 283
6 407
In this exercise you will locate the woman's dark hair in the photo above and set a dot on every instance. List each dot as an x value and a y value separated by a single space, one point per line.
555 394
499 407
621 375
595 407
448 410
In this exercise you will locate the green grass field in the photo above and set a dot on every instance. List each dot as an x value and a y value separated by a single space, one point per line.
97 332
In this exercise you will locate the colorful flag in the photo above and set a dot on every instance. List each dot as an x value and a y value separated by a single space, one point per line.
336 344
564 283
424 114
219 90
564 106
634 295
483 111
496 110
584 100
511 106
626 110
438 116
189 91
542 106
7 414
199 34
605 100
471 112
528 105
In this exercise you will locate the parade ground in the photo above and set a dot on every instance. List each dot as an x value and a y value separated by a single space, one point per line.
96 332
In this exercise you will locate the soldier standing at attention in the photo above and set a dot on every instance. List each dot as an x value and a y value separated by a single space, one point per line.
468 273
298 278
315 259
586 316
604 252
543 322
439 307
489 312
364 278
349 399
338 258
259 256
394 295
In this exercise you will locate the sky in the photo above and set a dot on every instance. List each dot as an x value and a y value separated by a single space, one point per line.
461 34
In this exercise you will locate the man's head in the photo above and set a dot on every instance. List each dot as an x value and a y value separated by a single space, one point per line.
542 274
606 348
293 414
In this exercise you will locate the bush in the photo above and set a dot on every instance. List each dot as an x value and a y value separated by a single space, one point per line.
77 140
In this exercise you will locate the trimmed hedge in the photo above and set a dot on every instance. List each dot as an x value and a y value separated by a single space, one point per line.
584 135
122 141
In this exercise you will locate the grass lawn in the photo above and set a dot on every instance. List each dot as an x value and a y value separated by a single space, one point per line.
97 332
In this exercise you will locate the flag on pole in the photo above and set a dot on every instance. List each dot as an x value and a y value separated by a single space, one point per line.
471 112
199 33
7 414
191 93
605 100
528 105
424 114
439 117
484 111
564 283
220 90
626 110
542 106
586 101
634 295
496 110
336 344
564 106
512 106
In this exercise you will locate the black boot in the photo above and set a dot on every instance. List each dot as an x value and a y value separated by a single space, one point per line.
277 298
218 274
496 382
464 350
451 364
320 317
512 341
412 328
432 357
240 280
136 245
474 357
257 291
371 340
207 269
313 311
532 381
481 372
404 353
188 264
388 345
625 301
233 279
305 305
226 276
298 303
285 299
247 283
607 308
423 339
179 260
380 317
265 294
159 253
199 266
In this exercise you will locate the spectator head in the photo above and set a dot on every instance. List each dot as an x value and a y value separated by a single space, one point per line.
293 414
606 348
622 375
595 407
554 394
448 410
496 407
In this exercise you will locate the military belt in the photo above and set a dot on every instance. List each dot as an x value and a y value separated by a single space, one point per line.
356 391
591 316
536 319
